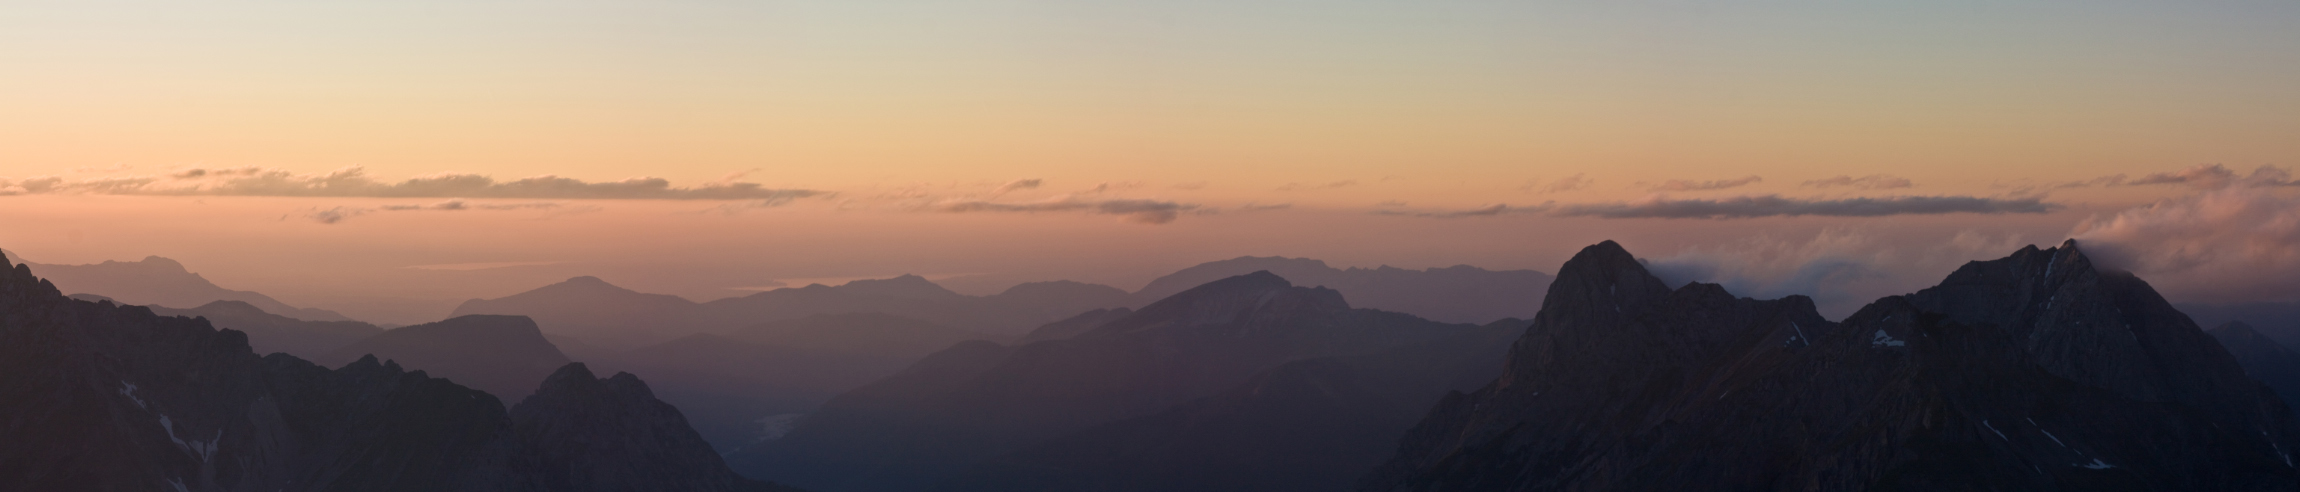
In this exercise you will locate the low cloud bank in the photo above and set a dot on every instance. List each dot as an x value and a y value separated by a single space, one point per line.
2239 242
1690 185
1132 210
355 182
1745 207
333 215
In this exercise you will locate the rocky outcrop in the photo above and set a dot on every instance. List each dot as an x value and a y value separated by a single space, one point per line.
2033 372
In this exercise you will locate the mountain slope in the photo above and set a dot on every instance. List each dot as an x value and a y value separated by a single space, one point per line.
592 310
101 396
268 333
979 400
1457 294
612 434
2264 359
2033 372
164 282
502 355
1309 425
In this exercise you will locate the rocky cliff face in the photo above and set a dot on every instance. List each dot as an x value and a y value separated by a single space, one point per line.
100 396
979 400
2033 372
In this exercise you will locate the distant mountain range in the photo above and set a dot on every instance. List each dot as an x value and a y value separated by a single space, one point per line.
100 396
979 400
505 356
1457 294
268 333
604 314
2032 372
162 282
610 316
728 382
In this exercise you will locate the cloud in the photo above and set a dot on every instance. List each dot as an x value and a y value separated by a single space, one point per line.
1840 268
355 182
1318 186
1485 211
1568 183
338 214
1777 206
1686 185
2211 176
1870 182
1132 210
1256 207
1019 184
2233 244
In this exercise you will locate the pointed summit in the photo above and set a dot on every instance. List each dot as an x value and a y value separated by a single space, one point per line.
1601 283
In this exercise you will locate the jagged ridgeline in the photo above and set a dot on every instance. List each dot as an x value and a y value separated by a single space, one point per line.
98 396
2033 372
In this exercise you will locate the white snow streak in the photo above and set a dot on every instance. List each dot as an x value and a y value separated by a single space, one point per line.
1992 428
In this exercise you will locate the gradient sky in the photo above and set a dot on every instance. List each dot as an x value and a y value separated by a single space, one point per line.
907 135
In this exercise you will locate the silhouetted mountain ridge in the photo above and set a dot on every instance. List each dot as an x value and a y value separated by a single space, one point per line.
2032 372
979 400
1457 294
164 282
102 396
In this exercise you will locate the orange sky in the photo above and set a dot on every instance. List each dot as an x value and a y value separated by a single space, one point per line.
894 115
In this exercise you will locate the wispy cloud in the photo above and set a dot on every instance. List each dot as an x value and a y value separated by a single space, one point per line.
1778 206
2209 176
1690 185
338 214
355 182
1132 210
1568 183
1756 206
1318 186
1870 182
1485 211
1016 185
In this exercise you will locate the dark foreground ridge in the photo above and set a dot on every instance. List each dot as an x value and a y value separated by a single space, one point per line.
99 396
2032 372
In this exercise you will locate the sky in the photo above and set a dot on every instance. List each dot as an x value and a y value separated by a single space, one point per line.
388 159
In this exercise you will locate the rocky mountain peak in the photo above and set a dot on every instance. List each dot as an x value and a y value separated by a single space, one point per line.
1601 284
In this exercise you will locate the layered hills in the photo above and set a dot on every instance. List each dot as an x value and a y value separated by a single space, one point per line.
506 356
164 282
980 400
1456 294
100 396
268 333
596 311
